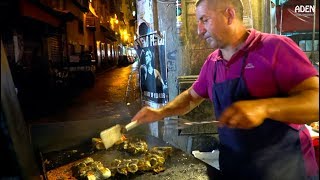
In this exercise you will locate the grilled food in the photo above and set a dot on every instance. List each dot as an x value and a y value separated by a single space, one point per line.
161 151
90 170
97 143
134 147
153 160
144 160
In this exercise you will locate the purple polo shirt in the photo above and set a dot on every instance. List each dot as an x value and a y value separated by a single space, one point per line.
274 65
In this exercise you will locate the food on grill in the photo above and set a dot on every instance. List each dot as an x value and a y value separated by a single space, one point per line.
156 162
176 163
131 146
144 164
143 160
152 160
162 151
124 166
97 143
133 165
134 147
90 169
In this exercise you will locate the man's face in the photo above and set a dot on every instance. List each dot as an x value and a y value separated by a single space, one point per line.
212 24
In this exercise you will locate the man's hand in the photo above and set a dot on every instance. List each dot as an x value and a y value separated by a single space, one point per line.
300 107
182 104
243 115
147 115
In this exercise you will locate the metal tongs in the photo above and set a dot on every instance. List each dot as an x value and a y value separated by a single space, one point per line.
181 123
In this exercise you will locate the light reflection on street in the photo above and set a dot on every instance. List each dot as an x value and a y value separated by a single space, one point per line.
106 100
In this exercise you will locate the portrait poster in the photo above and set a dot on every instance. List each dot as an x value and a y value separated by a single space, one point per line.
150 48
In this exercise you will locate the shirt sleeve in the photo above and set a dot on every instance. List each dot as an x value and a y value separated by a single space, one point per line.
291 65
200 86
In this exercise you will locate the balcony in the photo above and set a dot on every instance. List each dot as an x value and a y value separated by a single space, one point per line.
109 33
90 22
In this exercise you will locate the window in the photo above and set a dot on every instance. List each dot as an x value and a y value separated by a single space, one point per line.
306 45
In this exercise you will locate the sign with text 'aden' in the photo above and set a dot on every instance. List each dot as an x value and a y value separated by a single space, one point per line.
296 17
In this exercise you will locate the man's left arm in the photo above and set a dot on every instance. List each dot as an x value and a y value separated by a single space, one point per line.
300 107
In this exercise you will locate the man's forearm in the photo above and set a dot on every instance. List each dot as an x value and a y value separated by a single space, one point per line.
182 104
302 108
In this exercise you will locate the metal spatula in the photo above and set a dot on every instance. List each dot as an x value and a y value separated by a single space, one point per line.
112 135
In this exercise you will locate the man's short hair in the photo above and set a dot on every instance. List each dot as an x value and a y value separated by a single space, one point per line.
237 4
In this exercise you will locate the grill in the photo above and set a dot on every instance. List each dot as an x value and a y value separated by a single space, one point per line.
179 165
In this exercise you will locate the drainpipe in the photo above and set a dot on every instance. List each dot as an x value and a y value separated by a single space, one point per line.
281 17
314 32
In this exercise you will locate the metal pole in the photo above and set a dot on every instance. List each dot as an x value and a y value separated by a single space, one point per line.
281 16
314 31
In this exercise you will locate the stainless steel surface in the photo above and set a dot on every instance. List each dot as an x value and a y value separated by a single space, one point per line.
181 123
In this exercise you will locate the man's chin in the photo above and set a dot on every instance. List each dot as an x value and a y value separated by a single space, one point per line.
212 44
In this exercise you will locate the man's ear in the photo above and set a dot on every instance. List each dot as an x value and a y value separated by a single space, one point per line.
231 15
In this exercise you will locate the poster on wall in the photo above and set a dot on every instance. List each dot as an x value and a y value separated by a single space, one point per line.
150 47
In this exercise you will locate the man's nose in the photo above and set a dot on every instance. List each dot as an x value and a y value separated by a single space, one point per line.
201 29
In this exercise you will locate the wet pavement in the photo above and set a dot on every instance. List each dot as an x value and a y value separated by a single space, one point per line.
114 99
108 98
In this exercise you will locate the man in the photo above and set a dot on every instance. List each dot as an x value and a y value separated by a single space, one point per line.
264 90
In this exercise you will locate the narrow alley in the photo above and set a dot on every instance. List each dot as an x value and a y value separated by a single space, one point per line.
114 99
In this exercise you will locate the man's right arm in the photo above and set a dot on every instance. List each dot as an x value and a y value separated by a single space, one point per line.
182 104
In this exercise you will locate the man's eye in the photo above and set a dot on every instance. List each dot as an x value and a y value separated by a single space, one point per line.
205 20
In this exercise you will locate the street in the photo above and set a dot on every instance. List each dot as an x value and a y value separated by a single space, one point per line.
114 99
106 99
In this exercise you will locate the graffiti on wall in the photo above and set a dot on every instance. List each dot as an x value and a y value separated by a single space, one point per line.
171 61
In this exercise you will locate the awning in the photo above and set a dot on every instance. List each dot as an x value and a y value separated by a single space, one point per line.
65 14
109 33
91 9
29 9
111 37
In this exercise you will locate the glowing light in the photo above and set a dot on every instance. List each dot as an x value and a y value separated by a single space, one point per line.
109 50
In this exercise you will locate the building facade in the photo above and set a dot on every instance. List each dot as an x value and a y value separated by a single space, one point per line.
53 44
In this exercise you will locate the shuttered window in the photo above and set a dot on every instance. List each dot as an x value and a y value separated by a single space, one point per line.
54 49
